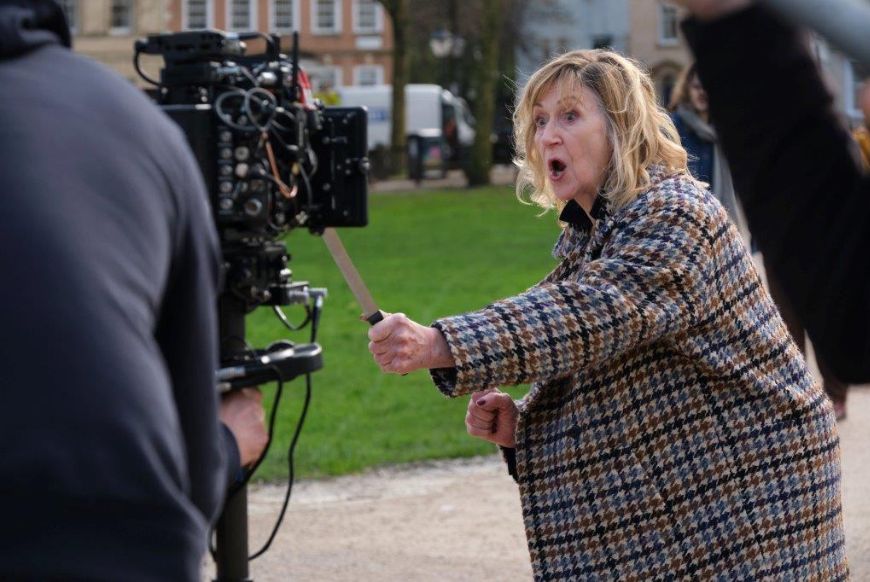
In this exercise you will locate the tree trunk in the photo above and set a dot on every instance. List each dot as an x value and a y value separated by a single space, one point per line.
484 110
398 11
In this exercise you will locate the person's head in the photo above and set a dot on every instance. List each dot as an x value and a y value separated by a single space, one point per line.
588 122
690 92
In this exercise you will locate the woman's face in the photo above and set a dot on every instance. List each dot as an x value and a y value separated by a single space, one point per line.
571 139
697 95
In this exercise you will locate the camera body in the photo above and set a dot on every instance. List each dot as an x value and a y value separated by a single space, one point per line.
272 158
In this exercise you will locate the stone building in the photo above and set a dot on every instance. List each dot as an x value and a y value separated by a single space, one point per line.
342 42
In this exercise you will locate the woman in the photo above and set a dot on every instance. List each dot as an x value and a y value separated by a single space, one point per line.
691 115
672 429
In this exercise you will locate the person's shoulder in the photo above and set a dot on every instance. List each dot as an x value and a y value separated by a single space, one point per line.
672 197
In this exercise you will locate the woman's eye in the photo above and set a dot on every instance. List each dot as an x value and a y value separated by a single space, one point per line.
570 116
540 122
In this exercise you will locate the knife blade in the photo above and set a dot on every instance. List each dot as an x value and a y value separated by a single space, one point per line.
371 313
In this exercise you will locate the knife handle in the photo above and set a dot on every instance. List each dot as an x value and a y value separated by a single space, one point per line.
375 317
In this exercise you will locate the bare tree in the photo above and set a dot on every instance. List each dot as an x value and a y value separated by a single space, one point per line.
487 81
398 11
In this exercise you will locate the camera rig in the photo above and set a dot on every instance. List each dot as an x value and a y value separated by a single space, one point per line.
273 159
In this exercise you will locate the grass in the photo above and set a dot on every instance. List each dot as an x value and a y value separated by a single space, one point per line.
425 254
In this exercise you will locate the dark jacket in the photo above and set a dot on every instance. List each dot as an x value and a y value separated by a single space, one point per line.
112 456
700 151
806 198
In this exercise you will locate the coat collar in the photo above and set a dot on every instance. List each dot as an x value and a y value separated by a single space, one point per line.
574 214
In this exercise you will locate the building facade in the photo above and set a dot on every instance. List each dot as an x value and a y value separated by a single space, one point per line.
557 26
655 40
644 30
106 29
342 42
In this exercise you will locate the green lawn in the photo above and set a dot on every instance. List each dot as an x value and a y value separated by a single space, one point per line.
428 255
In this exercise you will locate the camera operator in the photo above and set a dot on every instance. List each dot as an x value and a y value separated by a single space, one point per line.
114 459
806 197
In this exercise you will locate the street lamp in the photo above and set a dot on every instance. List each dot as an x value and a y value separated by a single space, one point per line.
447 46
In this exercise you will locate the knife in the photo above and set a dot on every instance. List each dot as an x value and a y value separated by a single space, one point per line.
371 313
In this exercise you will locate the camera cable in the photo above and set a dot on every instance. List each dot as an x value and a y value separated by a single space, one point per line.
291 450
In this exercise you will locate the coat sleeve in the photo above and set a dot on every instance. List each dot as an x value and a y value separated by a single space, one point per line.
650 281
806 198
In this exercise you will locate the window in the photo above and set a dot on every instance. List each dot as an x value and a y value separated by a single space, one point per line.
241 15
70 10
367 16
197 14
368 75
122 16
602 41
324 76
668 25
326 17
285 15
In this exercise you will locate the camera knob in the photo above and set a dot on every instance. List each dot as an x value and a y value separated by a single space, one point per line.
253 207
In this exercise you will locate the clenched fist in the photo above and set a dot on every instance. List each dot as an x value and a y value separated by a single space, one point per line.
492 416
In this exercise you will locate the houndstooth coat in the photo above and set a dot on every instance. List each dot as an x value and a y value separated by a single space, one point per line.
672 429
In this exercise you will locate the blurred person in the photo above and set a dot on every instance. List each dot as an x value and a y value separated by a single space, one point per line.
805 195
861 135
328 95
668 400
114 460
691 116
690 111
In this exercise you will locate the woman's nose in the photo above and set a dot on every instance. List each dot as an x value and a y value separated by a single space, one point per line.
549 133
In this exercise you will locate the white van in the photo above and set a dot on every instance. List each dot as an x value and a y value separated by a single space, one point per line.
426 107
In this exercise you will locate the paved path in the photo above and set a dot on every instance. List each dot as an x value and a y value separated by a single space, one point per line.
460 520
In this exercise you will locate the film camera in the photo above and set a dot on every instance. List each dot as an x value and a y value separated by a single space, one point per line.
273 160
271 157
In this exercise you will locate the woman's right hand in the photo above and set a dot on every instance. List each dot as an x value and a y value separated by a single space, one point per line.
492 416
400 345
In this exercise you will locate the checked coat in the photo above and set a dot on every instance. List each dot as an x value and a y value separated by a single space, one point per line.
672 429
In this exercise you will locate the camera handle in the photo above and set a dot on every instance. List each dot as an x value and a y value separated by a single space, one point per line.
281 361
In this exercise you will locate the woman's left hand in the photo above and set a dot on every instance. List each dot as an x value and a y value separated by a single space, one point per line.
492 416
400 345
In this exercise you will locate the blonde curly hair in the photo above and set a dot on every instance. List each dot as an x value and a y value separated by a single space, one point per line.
640 132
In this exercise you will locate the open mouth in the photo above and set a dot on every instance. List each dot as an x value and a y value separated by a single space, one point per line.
557 168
